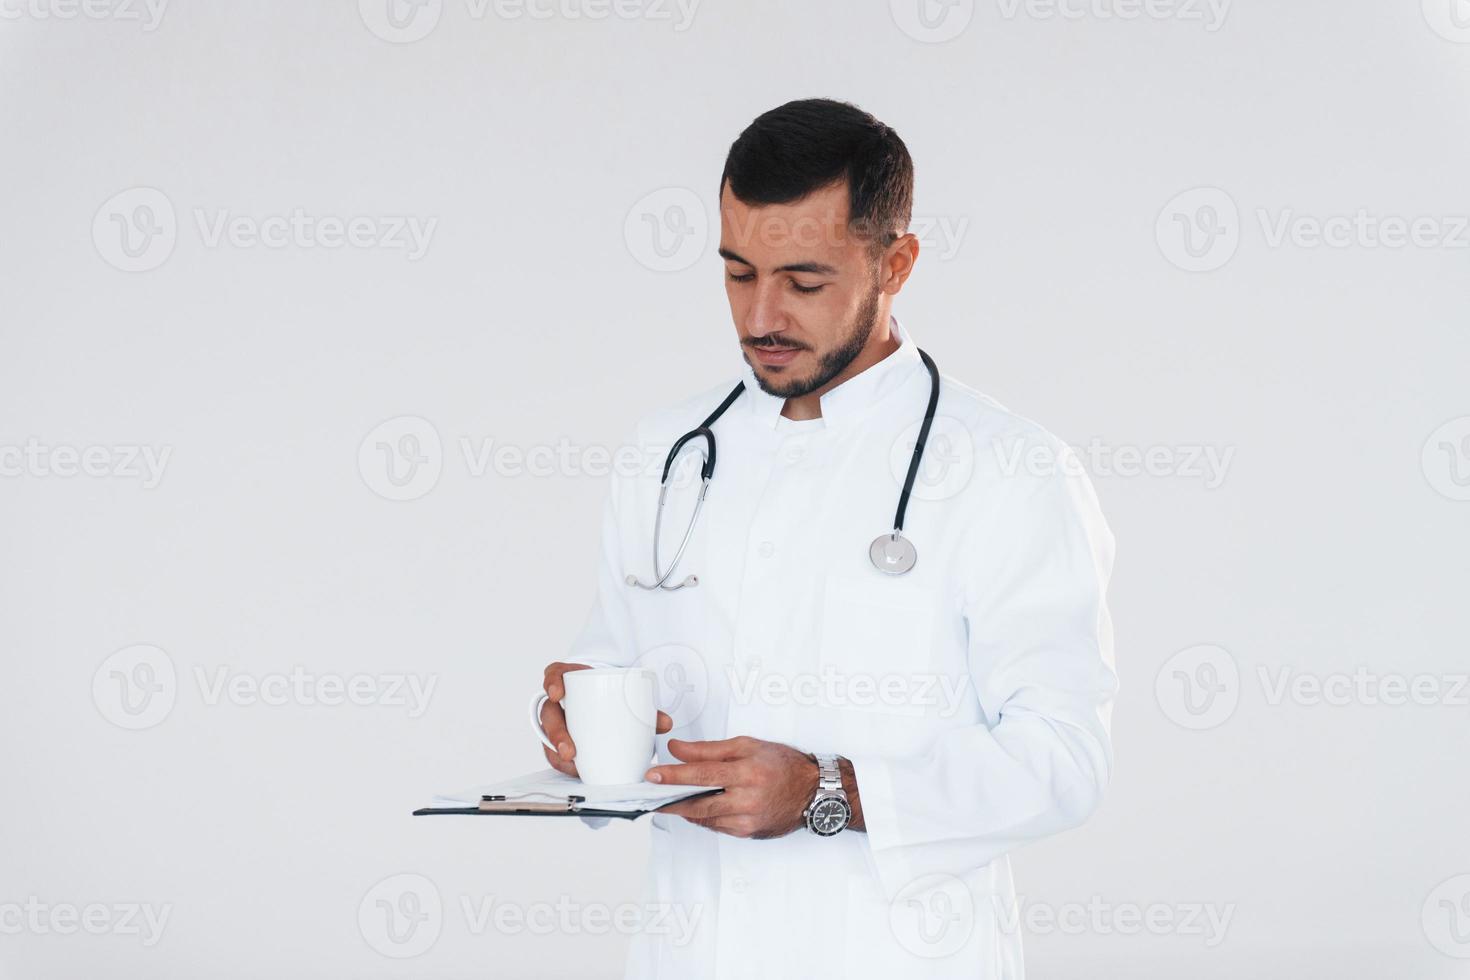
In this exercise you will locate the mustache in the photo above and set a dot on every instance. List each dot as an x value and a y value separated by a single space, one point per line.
765 342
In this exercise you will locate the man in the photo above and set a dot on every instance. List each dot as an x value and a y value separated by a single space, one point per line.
966 701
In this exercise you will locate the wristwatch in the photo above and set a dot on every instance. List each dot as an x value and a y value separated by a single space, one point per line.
829 812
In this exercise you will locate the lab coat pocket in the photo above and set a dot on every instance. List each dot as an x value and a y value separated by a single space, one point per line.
876 648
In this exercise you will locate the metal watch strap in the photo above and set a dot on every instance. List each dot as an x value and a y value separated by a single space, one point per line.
829 776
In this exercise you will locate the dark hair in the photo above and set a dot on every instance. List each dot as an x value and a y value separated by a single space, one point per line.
804 146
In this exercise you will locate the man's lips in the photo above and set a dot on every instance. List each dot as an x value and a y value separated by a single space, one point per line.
775 356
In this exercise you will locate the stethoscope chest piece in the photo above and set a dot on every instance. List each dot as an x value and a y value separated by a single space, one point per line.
892 553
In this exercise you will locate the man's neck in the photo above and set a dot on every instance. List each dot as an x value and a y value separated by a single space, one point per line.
809 406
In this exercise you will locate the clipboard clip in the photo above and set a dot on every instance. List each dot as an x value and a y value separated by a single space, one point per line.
499 804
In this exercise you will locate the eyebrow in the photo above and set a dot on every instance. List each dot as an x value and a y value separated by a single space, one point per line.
811 268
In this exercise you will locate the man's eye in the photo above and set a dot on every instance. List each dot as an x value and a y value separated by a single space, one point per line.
808 290
745 278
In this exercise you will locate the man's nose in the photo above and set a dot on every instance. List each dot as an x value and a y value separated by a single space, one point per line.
765 315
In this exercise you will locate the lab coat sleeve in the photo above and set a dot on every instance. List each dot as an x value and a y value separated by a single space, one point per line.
1039 653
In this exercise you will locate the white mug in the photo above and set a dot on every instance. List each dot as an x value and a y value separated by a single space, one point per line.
611 717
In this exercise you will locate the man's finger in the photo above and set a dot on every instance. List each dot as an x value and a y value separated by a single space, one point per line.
663 724
717 751
554 723
552 682
706 807
558 763
691 774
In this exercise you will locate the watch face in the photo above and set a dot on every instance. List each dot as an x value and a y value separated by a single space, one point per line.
829 816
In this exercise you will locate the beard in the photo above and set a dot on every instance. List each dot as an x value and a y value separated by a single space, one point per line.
832 363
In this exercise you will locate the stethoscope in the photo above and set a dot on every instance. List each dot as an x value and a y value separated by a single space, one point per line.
890 552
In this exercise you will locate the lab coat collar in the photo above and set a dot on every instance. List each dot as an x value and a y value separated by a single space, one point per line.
849 400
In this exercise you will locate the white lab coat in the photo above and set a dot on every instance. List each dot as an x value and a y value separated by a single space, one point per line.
973 694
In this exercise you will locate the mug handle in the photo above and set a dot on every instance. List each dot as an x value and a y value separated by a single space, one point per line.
536 704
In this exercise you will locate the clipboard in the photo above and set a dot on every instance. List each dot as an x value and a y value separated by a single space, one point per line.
495 805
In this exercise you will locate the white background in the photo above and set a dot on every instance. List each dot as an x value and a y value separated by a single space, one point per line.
1336 540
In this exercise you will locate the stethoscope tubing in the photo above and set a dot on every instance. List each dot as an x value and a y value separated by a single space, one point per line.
707 471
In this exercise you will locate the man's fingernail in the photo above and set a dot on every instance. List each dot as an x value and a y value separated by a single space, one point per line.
655 777
565 749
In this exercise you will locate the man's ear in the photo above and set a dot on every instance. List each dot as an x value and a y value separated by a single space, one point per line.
898 263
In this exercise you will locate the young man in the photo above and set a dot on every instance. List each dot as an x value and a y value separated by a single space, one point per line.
890 711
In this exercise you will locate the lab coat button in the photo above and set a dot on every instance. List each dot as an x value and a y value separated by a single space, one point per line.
739 885
794 454
767 549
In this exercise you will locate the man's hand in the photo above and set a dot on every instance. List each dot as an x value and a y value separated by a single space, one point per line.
554 720
767 785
